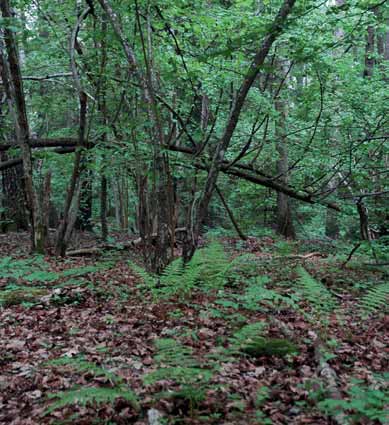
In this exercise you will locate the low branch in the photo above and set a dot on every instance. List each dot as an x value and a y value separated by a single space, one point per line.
43 143
47 77
246 172
16 161
10 163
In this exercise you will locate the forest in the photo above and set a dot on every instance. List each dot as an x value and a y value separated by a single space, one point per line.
194 212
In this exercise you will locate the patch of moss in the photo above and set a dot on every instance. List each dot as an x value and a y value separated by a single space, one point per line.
19 296
269 347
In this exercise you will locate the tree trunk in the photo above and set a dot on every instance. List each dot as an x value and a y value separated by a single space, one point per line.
103 207
363 220
284 222
221 148
14 88
67 221
369 52
42 228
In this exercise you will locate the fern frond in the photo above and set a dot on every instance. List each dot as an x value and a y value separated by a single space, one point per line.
376 298
175 361
256 293
247 334
91 395
172 353
81 365
149 279
320 298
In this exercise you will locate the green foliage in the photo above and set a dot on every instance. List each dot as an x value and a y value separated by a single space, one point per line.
319 297
176 362
376 299
14 295
364 403
35 269
12 268
209 269
82 366
246 335
263 394
257 296
269 347
90 395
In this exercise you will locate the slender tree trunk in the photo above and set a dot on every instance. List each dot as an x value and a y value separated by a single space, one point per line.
13 197
86 200
103 207
221 148
67 221
363 220
231 215
284 220
42 228
369 52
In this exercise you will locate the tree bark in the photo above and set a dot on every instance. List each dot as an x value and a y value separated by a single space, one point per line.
284 220
13 80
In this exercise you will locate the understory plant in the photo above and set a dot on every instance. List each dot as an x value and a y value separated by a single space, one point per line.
364 403
114 388
209 269
176 362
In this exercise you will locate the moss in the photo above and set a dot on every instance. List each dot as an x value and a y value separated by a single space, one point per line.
269 347
18 296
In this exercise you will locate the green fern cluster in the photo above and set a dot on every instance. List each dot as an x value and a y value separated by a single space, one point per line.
176 362
247 334
12 268
319 297
209 269
36 269
81 365
90 395
376 299
256 296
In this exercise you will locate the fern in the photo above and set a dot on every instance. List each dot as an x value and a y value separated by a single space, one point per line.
83 366
320 298
209 269
247 334
376 299
175 361
35 269
91 395
12 268
150 280
257 294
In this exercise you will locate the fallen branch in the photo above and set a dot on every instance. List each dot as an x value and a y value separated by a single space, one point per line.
298 257
351 254
98 250
43 143
328 375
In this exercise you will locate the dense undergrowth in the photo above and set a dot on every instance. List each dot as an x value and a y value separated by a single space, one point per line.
233 337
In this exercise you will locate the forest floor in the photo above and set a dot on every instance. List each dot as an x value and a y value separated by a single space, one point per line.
275 341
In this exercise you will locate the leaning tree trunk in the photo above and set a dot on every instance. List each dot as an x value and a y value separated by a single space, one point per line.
274 31
12 199
14 87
